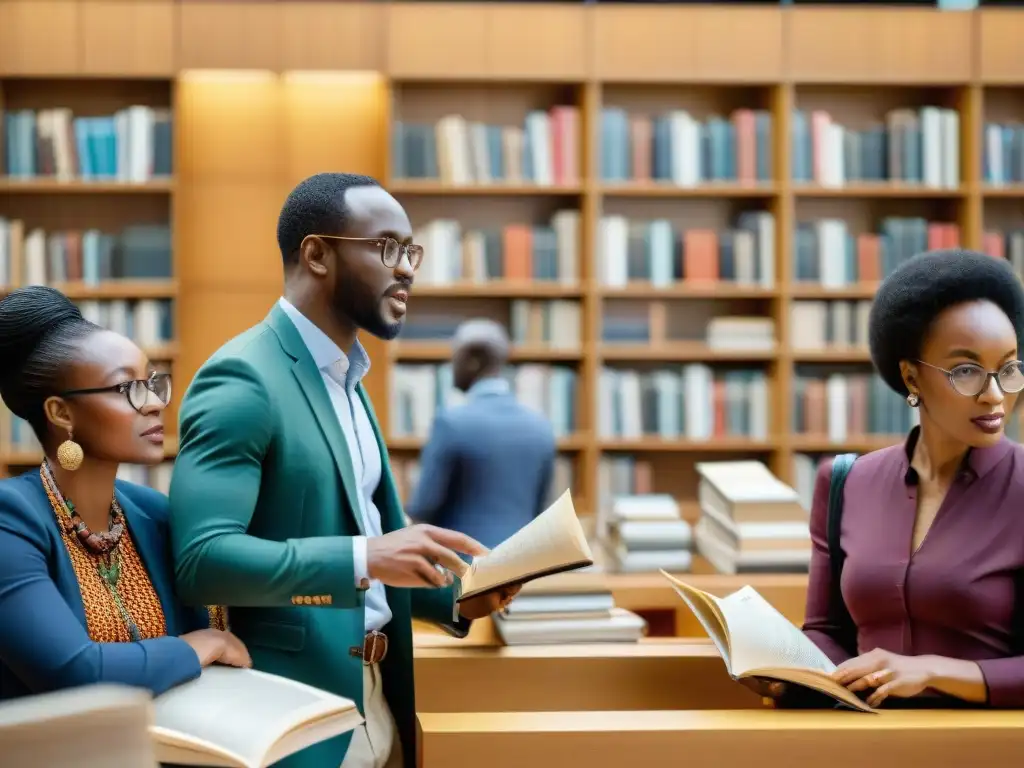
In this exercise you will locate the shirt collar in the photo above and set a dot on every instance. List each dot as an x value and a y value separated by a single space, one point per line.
495 385
325 353
977 462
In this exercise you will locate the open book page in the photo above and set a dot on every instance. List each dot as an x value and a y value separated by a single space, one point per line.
755 640
550 543
244 718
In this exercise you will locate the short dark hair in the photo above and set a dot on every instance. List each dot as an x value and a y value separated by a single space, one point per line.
909 300
39 328
316 206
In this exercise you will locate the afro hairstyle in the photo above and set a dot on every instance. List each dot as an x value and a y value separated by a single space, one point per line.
909 300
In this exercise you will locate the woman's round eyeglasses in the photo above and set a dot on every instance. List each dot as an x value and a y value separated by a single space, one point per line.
970 379
137 392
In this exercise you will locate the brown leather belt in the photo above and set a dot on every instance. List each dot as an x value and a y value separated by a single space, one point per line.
373 650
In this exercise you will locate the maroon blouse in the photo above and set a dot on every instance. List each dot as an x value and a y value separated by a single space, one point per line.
957 595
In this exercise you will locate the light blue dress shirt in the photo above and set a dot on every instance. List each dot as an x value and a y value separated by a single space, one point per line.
341 373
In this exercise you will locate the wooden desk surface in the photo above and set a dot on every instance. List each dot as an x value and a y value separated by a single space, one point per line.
722 739
652 674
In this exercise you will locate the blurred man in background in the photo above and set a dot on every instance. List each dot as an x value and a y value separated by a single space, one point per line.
486 469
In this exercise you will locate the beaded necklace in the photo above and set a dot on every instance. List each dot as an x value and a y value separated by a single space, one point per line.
102 546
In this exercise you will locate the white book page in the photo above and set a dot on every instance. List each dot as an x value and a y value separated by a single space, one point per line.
551 540
243 712
760 637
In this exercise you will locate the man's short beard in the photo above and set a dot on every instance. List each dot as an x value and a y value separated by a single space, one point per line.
365 312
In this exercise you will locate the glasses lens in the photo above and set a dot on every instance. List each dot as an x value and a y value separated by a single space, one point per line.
392 252
968 379
159 385
1011 377
415 256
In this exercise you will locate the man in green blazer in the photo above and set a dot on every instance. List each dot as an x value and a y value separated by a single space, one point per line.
283 505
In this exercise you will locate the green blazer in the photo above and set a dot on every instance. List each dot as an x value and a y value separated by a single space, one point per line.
263 511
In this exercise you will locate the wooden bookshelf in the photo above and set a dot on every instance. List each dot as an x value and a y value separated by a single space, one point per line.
265 94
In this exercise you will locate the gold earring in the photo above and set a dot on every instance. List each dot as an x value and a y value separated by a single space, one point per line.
69 454
913 400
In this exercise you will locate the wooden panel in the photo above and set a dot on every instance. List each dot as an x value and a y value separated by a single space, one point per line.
128 39
648 44
1001 57
333 122
229 127
879 45
39 37
333 36
717 738
544 42
652 674
437 40
222 34
227 236
209 318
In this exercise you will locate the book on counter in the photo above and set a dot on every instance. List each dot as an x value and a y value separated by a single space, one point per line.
241 718
756 641
553 542
566 609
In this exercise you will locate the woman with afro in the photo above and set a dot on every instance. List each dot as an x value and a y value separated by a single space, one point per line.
930 601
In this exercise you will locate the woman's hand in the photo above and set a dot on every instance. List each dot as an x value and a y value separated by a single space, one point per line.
888 673
217 646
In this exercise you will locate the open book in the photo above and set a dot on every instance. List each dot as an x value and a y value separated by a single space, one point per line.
755 640
552 542
241 718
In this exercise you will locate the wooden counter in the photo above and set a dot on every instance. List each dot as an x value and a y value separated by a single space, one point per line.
652 674
722 739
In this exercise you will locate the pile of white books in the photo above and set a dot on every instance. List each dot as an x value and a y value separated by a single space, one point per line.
750 521
560 610
647 534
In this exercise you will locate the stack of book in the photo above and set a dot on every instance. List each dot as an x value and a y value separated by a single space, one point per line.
750 520
647 533
557 611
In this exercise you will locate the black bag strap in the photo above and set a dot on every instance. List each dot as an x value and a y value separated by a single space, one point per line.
841 466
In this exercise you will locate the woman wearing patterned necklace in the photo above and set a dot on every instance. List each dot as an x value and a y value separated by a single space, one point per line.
86 586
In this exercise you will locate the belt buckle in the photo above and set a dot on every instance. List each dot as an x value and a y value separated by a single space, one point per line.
374 650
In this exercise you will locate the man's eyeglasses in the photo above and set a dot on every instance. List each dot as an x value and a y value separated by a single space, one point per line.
970 380
391 251
137 392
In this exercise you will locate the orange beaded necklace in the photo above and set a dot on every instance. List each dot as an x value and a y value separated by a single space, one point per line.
104 546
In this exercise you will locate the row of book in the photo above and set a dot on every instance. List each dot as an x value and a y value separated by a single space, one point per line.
515 252
662 324
820 325
419 391
657 252
912 146
684 151
828 254
916 146
843 406
551 324
91 257
694 402
134 144
1002 158
544 150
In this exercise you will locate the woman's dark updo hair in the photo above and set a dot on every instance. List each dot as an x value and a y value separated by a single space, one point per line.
910 299
39 328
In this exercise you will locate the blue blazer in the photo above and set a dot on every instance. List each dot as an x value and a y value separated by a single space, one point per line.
486 469
44 642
